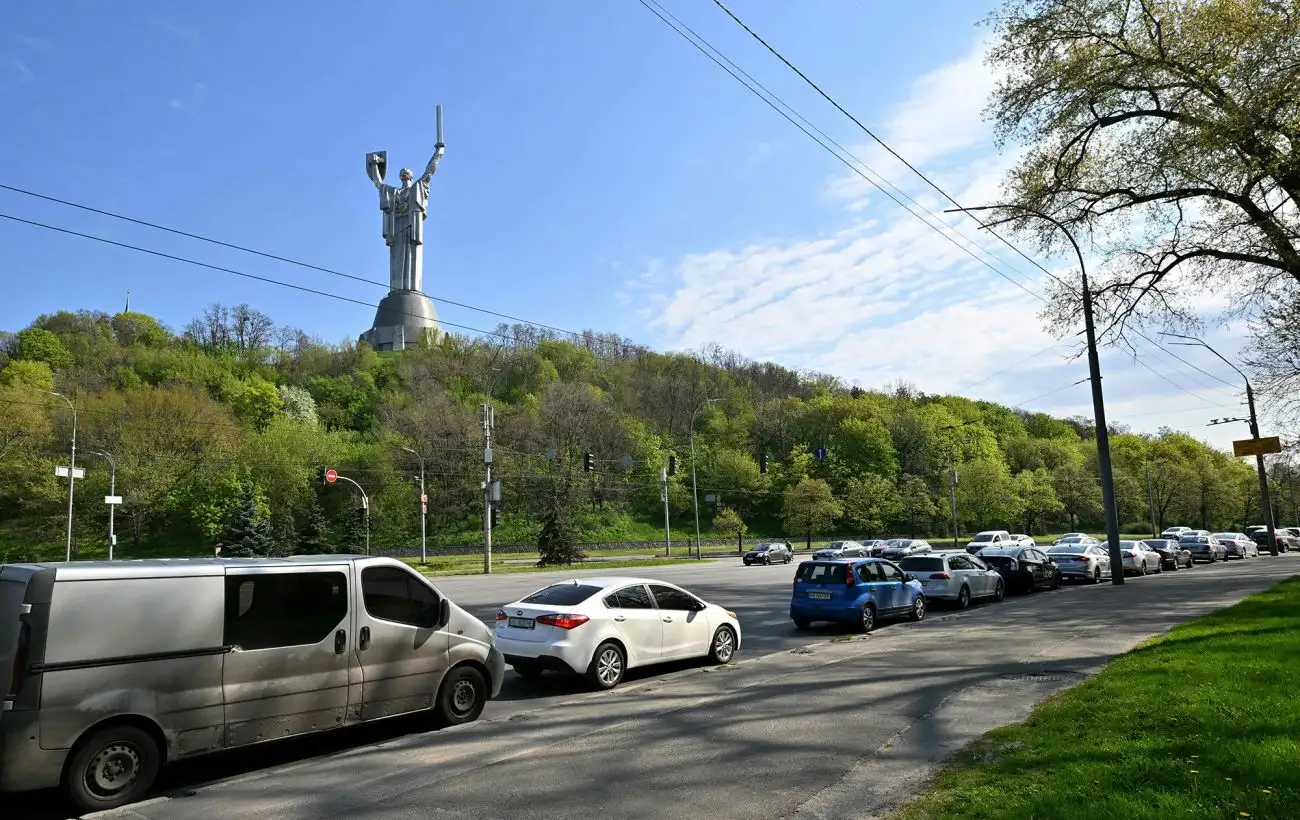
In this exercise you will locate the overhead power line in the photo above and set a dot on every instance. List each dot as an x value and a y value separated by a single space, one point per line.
941 190
285 259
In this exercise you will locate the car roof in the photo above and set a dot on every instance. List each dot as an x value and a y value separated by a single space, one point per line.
1002 550
608 581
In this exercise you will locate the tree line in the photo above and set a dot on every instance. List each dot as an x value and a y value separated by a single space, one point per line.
217 433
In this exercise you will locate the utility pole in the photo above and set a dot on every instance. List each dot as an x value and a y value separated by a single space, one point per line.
1151 503
112 499
695 499
1094 376
424 508
1265 499
952 483
71 469
487 487
663 494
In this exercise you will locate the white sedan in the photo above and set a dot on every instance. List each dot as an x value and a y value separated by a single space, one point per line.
601 627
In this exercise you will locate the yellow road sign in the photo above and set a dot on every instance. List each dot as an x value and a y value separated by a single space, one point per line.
1257 446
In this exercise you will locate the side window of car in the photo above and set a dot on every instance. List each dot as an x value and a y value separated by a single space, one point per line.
284 609
674 599
633 597
959 562
392 594
889 572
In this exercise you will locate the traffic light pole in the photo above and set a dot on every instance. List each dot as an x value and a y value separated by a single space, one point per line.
487 488
365 507
663 492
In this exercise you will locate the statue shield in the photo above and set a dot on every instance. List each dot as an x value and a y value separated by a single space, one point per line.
377 165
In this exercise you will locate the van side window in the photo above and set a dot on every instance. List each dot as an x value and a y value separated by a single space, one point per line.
393 594
284 609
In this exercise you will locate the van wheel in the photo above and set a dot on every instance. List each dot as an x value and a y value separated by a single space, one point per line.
114 766
461 698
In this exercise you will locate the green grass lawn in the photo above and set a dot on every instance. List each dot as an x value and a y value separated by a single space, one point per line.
473 565
1200 722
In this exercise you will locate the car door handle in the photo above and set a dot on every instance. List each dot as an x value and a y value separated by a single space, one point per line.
340 642
668 619
364 638
620 618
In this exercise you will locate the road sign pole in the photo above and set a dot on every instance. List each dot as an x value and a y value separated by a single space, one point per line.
1264 499
663 493
112 491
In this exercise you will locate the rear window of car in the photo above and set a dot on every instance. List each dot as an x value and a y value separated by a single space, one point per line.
997 560
922 564
1066 549
981 538
821 573
562 595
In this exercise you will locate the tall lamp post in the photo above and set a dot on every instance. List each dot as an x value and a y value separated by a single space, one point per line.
952 483
112 499
695 501
1264 498
72 466
1094 375
424 509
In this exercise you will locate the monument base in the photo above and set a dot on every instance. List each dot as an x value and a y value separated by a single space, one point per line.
404 319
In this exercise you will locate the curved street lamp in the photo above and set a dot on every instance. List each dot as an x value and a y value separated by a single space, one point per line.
695 501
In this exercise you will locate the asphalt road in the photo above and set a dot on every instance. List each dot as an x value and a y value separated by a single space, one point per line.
834 729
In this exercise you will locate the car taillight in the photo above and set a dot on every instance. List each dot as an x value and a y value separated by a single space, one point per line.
563 621
849 580
501 615
940 576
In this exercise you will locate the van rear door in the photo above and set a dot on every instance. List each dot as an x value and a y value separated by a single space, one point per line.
15 630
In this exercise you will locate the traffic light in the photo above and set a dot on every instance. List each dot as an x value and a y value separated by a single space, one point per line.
672 465
588 462
320 475
496 516
762 462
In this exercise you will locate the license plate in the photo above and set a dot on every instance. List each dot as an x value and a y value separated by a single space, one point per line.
821 596
522 623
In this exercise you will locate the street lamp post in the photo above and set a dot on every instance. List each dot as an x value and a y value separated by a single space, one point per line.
1264 496
72 466
1094 375
112 498
424 500
952 484
695 500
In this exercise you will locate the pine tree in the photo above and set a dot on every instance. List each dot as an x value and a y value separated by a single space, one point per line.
354 531
557 543
313 536
247 533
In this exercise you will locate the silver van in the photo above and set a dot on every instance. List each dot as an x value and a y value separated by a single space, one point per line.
112 669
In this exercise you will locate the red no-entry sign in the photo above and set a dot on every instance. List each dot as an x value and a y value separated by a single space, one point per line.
331 476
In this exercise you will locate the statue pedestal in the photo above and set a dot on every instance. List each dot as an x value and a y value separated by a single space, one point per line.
403 319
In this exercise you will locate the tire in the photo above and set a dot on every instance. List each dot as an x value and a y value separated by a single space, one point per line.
1142 570
723 647
112 767
608 665
1096 575
867 618
528 671
963 598
461 697
1056 581
918 609
767 560
802 624
789 558
999 591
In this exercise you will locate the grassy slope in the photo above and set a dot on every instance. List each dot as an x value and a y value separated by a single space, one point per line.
1200 722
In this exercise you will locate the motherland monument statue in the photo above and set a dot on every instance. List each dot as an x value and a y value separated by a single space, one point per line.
406 314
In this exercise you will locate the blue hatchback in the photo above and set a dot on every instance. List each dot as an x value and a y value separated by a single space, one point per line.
859 592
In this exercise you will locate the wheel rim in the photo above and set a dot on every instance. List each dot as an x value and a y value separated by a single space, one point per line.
1000 591
963 597
918 608
113 770
868 618
609 666
464 696
724 646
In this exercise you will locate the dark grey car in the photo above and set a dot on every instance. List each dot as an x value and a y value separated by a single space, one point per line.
775 553
1203 548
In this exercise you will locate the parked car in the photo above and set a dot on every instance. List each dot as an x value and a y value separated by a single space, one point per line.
1283 538
1071 538
1203 548
1172 554
1081 562
1024 569
1139 559
601 627
1173 533
954 576
1238 544
989 538
903 547
859 592
840 549
873 546
1022 540
775 553
121 667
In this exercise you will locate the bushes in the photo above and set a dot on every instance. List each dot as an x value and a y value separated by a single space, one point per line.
1136 528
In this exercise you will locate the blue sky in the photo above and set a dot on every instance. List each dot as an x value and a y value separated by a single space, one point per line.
600 173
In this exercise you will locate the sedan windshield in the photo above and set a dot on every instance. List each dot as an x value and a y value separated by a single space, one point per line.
981 538
562 595
762 548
